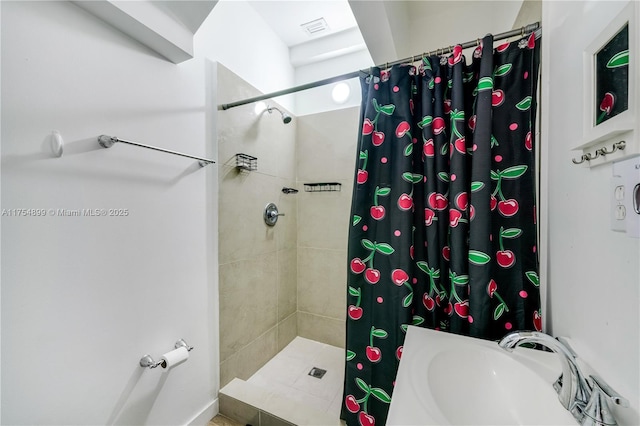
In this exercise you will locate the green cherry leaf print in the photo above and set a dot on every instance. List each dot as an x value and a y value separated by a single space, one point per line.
512 172
404 327
461 280
485 83
383 191
495 175
408 150
533 277
379 333
524 104
478 258
498 311
381 395
511 233
368 245
443 176
363 385
476 186
417 320
350 355
384 248
502 70
426 121
423 266
387 109
620 59
375 105
406 302
356 219
354 291
412 177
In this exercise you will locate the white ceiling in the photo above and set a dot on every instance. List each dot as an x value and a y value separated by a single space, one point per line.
286 17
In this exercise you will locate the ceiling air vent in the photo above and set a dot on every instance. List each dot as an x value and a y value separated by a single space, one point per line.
316 26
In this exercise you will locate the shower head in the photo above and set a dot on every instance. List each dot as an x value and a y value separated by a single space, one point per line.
286 118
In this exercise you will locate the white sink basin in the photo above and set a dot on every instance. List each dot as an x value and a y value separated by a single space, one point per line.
447 379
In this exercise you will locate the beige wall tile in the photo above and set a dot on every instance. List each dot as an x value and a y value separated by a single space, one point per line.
286 228
287 283
248 301
287 331
322 282
239 411
242 231
327 144
324 218
321 329
249 359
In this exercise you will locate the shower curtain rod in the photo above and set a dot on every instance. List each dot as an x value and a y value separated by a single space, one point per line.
520 31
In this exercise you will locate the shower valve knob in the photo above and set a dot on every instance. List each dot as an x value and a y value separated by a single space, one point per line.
271 214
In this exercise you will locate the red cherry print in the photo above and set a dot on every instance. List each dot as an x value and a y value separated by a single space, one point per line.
405 202
367 127
528 141
396 89
462 308
365 419
454 217
438 125
492 287
428 216
379 299
513 126
378 138
508 326
460 145
472 122
373 354
462 200
508 207
494 202
497 98
377 212
523 294
362 177
357 265
437 201
537 320
505 258
448 309
428 302
399 277
372 275
503 47
429 148
472 212
446 253
531 42
399 352
402 129
351 404
456 56
447 106
354 312
498 158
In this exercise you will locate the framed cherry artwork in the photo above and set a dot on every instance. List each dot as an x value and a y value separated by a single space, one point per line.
610 67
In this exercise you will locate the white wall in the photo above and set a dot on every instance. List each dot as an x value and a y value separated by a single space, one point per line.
593 284
237 37
84 298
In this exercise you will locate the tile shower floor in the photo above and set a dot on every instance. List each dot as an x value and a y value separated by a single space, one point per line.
288 374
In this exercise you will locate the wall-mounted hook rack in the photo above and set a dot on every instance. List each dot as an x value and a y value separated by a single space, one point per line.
618 146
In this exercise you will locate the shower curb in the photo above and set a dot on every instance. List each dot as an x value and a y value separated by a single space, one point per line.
256 406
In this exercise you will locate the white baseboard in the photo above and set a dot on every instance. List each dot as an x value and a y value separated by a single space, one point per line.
207 413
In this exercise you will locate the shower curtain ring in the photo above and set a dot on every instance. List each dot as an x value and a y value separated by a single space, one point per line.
478 42
450 49
522 32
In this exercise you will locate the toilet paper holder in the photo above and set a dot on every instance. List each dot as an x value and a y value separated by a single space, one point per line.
147 360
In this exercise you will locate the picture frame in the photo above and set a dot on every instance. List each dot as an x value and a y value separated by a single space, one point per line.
610 113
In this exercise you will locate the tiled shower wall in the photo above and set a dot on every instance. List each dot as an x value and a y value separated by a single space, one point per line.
258 263
326 153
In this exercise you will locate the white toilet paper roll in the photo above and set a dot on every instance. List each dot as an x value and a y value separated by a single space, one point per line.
175 357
